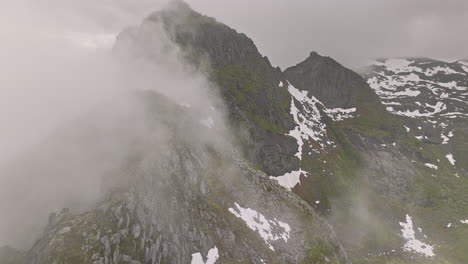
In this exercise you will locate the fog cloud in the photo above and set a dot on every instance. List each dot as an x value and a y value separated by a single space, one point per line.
67 114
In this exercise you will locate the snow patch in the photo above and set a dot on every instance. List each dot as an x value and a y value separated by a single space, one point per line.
309 118
432 166
413 244
269 230
438 107
338 114
211 257
290 179
446 138
309 123
452 85
399 65
437 69
465 68
450 158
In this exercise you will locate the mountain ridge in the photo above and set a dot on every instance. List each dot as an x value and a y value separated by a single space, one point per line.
364 179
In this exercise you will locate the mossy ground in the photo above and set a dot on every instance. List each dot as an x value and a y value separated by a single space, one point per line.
243 87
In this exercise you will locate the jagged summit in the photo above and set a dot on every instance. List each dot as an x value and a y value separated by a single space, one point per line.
204 34
329 81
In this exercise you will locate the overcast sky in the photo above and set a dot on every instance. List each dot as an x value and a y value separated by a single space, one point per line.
351 31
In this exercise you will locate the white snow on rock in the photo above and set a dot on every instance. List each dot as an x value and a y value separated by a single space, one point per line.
309 118
452 85
437 69
401 84
309 122
438 107
444 138
399 65
464 221
391 103
465 68
447 137
412 244
432 166
338 114
290 179
454 114
269 230
280 84
387 87
450 158
407 129
211 258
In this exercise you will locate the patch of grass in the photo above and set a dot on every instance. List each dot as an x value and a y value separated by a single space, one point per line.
320 253
242 86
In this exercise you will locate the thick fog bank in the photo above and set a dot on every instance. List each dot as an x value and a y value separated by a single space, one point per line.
69 115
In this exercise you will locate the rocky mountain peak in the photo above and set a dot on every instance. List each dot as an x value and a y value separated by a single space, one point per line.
329 81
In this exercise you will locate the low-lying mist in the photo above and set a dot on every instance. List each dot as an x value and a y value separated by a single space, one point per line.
69 117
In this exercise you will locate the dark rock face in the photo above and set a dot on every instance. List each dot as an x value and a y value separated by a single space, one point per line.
331 83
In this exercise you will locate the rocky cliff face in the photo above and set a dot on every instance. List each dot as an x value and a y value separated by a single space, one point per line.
323 77
332 167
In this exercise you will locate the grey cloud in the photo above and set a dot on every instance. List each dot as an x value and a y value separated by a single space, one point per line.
349 31
66 117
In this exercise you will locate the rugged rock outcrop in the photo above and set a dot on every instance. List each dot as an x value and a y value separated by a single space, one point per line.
333 84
